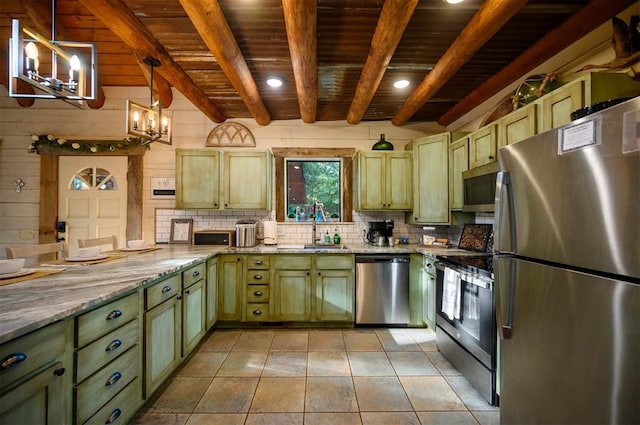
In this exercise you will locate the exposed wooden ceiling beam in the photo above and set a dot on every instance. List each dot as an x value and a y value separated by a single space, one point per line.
301 21
485 23
575 27
161 88
393 21
209 21
40 15
121 20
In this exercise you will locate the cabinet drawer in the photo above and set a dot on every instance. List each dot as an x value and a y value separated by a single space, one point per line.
292 262
257 293
257 276
105 384
105 349
193 274
104 319
35 349
121 408
258 262
334 262
257 312
162 291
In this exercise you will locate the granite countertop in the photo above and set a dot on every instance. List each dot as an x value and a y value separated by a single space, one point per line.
32 304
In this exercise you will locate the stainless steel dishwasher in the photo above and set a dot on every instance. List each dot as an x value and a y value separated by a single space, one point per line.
382 289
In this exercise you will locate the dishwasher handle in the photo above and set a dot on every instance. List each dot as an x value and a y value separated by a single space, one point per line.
382 259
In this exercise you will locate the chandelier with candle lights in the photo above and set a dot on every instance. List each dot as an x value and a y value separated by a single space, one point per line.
150 123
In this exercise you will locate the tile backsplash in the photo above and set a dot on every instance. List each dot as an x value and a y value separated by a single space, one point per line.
292 232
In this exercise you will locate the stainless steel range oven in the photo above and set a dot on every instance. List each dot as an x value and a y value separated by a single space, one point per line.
466 319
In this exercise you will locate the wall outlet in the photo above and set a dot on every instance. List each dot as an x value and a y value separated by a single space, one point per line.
27 234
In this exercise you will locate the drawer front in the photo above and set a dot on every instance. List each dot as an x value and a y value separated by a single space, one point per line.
99 353
193 274
20 357
257 293
257 276
260 262
292 262
162 291
104 319
105 384
335 262
121 408
257 312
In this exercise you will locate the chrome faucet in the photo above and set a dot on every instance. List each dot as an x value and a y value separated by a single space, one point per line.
314 237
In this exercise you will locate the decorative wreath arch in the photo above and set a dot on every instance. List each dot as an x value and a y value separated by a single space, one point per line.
231 134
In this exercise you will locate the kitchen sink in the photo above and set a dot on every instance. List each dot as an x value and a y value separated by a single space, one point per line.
325 247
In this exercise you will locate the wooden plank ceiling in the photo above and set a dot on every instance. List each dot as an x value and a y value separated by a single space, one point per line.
338 58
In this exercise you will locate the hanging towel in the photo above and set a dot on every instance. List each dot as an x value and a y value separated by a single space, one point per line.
451 294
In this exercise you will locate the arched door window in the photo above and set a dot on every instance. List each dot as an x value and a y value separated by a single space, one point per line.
93 177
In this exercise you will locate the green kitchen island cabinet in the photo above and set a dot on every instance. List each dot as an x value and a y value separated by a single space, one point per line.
383 180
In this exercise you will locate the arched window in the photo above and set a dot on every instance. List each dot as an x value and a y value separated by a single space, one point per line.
93 177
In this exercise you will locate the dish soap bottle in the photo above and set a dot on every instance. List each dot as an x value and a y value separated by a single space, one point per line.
336 237
327 238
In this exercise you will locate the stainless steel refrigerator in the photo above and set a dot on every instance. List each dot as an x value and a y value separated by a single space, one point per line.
567 272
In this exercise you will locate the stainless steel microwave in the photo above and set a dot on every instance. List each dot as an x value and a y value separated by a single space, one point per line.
479 188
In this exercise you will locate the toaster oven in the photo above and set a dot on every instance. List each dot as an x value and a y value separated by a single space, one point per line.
214 237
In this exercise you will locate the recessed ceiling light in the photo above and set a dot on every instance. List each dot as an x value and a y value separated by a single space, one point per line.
400 84
274 82
453 1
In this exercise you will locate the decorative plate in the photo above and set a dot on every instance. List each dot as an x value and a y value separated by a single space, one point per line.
475 237
18 273
81 259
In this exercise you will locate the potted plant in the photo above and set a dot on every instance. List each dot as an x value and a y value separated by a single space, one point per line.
335 217
291 217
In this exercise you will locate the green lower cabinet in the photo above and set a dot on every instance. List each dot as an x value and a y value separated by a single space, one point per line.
334 295
291 296
193 316
212 293
230 287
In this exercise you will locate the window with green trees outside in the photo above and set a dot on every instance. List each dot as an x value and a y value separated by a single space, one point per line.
313 189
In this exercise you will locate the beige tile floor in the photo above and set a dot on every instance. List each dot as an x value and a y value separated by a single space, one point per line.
317 377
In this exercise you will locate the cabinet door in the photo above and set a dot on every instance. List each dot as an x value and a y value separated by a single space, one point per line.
431 180
371 181
459 162
197 178
398 187
291 297
230 287
518 125
334 295
558 105
482 146
212 292
193 316
39 400
247 180
162 342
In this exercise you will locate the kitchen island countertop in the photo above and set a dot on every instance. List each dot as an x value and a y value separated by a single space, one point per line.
32 304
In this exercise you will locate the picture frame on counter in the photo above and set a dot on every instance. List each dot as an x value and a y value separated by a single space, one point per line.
181 230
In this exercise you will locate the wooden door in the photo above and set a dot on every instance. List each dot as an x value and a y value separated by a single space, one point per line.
92 197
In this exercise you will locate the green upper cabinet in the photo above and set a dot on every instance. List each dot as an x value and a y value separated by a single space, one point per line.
430 180
482 146
458 162
247 180
220 179
197 178
383 181
518 125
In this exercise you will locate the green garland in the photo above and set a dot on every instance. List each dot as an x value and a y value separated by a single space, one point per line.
41 140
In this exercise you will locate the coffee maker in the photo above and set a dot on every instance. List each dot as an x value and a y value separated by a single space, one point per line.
379 230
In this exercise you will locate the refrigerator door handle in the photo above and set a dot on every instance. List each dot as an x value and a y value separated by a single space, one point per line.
502 283
504 197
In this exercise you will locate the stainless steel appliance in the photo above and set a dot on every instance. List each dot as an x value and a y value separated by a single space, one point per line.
567 272
382 289
246 233
466 318
479 188
214 237
379 232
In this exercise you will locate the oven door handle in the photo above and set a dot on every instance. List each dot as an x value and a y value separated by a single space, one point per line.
467 277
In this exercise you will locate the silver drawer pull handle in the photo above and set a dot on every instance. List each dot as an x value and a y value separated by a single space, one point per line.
257 277
196 273
11 360
166 289
258 293
257 312
113 417
258 262
113 345
114 314
115 377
